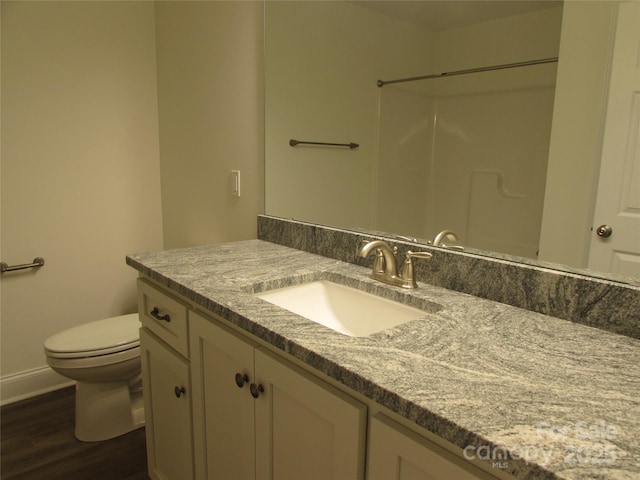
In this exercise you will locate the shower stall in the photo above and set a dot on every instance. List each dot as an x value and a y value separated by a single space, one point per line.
469 151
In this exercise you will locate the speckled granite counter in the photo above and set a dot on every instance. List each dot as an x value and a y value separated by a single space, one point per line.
563 398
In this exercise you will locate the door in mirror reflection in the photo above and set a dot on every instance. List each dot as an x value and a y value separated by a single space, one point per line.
617 249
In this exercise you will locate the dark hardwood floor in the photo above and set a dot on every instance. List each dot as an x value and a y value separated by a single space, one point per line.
38 444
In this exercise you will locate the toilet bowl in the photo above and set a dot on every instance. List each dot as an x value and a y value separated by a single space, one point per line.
103 357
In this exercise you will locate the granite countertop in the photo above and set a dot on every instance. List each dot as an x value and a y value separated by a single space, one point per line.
562 398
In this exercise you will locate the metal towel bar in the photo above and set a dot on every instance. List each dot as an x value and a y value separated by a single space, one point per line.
37 263
352 145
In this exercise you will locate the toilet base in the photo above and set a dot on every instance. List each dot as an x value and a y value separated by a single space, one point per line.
107 410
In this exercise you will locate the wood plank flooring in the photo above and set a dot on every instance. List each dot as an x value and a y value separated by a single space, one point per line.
37 443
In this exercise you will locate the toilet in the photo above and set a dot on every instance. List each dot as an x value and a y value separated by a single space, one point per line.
103 357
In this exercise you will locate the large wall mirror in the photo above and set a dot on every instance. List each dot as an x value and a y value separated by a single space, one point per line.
466 151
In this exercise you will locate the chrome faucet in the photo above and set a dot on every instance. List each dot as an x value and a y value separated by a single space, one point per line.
385 267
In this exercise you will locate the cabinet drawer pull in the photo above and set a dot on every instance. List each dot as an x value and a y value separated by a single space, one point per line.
179 391
256 390
241 379
155 313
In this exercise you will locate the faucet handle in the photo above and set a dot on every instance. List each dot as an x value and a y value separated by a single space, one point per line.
458 248
378 263
407 273
425 255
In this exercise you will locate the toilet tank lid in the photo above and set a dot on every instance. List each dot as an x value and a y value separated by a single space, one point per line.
97 335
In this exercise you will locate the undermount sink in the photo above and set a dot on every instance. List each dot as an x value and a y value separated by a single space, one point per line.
341 308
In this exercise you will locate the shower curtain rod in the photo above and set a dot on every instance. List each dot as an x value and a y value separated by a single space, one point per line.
470 70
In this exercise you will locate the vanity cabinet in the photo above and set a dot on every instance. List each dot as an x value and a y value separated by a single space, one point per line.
166 384
259 417
221 405
397 453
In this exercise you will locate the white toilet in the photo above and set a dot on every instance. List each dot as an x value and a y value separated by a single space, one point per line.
104 358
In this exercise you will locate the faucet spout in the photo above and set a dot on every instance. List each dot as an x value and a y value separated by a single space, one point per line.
437 242
390 265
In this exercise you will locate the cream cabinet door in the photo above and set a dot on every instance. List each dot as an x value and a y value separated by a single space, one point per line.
305 429
167 403
223 408
397 453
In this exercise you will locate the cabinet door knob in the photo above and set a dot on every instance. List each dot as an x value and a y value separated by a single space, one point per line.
241 379
179 391
256 390
155 313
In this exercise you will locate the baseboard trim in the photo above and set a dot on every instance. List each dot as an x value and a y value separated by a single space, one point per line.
30 383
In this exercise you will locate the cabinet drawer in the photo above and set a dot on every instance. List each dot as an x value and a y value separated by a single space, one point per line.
164 315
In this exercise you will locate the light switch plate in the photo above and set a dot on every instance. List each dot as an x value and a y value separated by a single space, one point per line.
235 183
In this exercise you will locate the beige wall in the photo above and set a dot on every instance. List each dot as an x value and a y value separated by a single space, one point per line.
504 40
211 119
104 103
80 168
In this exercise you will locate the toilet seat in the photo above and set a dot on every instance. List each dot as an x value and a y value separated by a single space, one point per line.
101 337
88 362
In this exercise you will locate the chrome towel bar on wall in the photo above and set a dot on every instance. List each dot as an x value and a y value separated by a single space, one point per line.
37 263
352 145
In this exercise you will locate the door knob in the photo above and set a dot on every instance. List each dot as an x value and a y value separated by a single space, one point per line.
179 391
604 231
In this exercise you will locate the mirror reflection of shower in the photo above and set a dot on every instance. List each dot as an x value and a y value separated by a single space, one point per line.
472 152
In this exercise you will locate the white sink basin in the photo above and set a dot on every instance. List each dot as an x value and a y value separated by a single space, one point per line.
341 308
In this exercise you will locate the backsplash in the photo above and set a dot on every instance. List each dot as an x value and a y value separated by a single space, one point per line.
600 303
